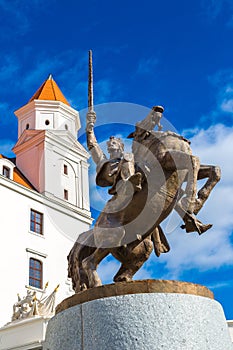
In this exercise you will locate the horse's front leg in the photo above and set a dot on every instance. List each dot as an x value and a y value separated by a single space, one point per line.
90 264
173 160
213 173
188 202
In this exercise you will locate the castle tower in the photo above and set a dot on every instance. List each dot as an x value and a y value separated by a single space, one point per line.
44 198
47 151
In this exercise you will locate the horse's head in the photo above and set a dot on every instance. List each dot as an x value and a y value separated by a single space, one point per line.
149 122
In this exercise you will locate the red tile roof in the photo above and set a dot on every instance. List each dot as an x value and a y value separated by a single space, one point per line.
49 90
18 176
21 179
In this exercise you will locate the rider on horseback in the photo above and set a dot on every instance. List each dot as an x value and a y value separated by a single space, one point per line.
120 165
129 225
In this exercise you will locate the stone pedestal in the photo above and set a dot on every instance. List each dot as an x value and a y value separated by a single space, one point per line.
140 315
230 328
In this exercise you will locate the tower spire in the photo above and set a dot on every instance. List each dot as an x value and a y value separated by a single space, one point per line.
90 84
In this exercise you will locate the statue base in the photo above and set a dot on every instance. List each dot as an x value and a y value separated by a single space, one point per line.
149 314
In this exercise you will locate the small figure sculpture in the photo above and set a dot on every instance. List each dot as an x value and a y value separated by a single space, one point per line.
30 305
24 306
146 186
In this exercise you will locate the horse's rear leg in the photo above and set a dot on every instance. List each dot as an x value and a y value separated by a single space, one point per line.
213 173
90 265
132 260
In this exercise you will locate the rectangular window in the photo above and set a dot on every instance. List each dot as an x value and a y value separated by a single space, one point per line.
65 169
36 222
66 197
35 273
6 171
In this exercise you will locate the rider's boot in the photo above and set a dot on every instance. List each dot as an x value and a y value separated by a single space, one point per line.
192 224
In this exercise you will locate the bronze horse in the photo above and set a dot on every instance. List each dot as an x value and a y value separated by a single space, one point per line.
129 226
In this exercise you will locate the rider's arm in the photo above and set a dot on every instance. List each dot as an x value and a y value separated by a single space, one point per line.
93 146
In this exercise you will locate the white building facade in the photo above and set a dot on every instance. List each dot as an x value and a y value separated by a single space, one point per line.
44 199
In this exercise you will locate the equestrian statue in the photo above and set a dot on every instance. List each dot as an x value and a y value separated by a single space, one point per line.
159 175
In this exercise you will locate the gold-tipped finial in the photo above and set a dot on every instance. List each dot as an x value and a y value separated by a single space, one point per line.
57 287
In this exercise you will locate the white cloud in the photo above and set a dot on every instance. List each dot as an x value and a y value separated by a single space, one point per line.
215 145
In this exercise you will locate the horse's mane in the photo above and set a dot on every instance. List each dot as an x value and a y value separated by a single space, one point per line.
163 134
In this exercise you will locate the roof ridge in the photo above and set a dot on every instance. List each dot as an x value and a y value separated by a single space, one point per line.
38 92
53 87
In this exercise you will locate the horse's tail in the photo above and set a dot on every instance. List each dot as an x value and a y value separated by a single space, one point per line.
78 253
73 266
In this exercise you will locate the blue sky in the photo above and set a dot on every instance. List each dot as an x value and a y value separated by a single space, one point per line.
175 53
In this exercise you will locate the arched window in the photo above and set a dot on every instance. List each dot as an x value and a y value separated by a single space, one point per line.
35 273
